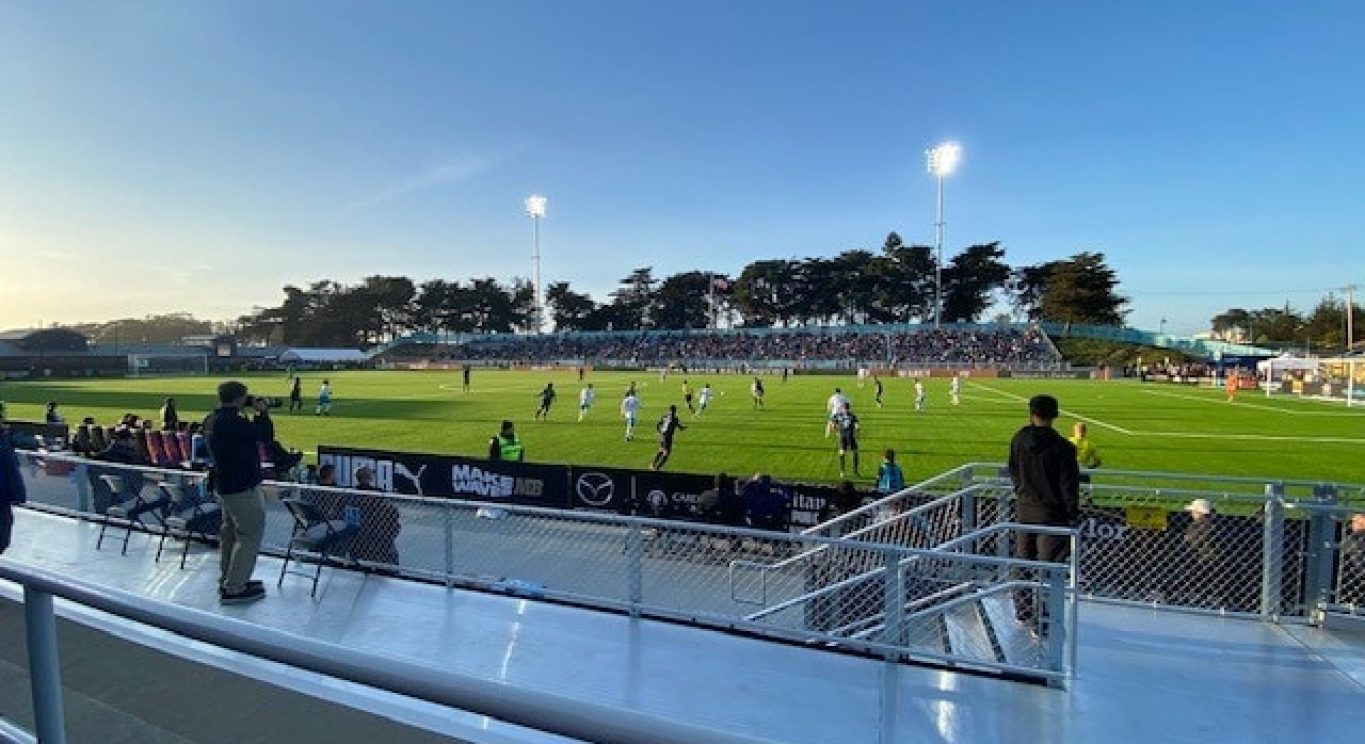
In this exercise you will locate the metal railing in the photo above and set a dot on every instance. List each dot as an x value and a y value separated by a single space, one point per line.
645 567
542 711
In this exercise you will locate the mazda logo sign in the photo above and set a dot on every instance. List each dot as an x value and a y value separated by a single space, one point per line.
595 489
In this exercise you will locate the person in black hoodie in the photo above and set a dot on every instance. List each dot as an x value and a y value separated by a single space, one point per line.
1047 485
233 443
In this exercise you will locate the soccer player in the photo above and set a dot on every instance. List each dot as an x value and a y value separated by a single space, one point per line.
687 397
919 396
1230 382
630 409
630 390
955 389
836 402
878 382
667 427
324 399
547 396
585 399
464 374
296 395
704 399
847 424
756 389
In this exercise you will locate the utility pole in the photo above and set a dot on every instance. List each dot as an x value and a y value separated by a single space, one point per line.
1350 318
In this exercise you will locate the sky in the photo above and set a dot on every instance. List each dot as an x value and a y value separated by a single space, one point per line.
183 156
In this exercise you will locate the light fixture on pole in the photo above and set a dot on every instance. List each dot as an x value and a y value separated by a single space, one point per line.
941 160
535 209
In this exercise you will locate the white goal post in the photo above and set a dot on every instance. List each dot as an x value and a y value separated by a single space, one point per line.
1336 378
144 365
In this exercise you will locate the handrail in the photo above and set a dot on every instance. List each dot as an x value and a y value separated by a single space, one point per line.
542 711
873 507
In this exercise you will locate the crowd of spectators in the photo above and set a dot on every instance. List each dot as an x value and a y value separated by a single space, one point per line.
973 346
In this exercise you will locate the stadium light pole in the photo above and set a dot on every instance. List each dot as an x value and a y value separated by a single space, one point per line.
535 209
941 160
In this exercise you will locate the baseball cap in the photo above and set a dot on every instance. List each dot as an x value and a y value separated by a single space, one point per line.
1199 506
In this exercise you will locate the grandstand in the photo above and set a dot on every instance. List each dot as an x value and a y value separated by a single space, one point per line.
966 346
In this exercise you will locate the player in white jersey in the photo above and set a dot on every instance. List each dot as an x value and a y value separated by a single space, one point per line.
919 396
324 399
836 403
585 399
955 390
703 398
630 410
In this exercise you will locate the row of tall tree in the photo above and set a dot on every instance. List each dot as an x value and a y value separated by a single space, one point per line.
895 284
1323 328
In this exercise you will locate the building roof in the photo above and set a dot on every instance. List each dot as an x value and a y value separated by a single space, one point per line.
261 352
323 355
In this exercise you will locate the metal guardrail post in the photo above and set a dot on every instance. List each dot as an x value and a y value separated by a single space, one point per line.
635 573
85 499
894 632
1058 614
1321 551
1272 551
449 520
44 669
967 507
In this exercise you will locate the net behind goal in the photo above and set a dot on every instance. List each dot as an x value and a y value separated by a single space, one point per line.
1340 379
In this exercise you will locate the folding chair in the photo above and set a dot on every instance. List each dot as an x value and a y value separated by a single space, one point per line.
129 505
189 515
315 536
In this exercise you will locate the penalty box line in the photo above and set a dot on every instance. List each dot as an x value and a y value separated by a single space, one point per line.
1068 412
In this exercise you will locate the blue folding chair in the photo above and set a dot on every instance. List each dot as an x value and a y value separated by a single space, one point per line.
188 516
130 507
316 537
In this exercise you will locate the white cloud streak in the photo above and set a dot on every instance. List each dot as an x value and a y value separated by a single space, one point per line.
454 170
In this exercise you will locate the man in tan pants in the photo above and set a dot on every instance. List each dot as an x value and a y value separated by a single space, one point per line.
233 441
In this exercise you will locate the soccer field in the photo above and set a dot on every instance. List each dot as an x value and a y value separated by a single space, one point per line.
1136 427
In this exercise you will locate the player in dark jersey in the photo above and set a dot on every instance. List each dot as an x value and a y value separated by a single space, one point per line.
547 396
667 427
757 391
846 423
878 382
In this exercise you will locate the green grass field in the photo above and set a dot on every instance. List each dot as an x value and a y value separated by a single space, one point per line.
1137 427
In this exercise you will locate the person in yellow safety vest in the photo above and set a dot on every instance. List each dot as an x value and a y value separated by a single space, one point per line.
1087 456
506 445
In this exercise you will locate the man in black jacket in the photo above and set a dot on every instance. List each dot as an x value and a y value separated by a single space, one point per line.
1047 485
233 442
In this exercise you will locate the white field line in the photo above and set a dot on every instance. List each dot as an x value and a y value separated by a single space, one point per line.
1072 414
1220 400
1252 437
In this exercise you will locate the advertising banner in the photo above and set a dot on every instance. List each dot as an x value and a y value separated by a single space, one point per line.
451 476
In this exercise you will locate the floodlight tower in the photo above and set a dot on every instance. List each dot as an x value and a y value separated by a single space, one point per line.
535 209
942 160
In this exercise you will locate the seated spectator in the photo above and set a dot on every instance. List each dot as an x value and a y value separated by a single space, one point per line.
53 416
764 508
123 449
377 518
1352 587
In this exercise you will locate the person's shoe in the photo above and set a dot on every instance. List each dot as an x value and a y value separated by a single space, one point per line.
251 593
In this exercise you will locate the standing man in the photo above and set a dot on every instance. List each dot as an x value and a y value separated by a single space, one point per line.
12 489
668 427
325 399
547 396
232 442
955 390
296 395
919 395
464 375
687 397
630 410
1046 481
757 391
170 418
847 425
878 382
704 399
585 399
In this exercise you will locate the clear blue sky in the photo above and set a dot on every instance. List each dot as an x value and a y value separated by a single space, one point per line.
161 156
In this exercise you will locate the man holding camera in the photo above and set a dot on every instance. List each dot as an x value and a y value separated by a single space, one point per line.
233 441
